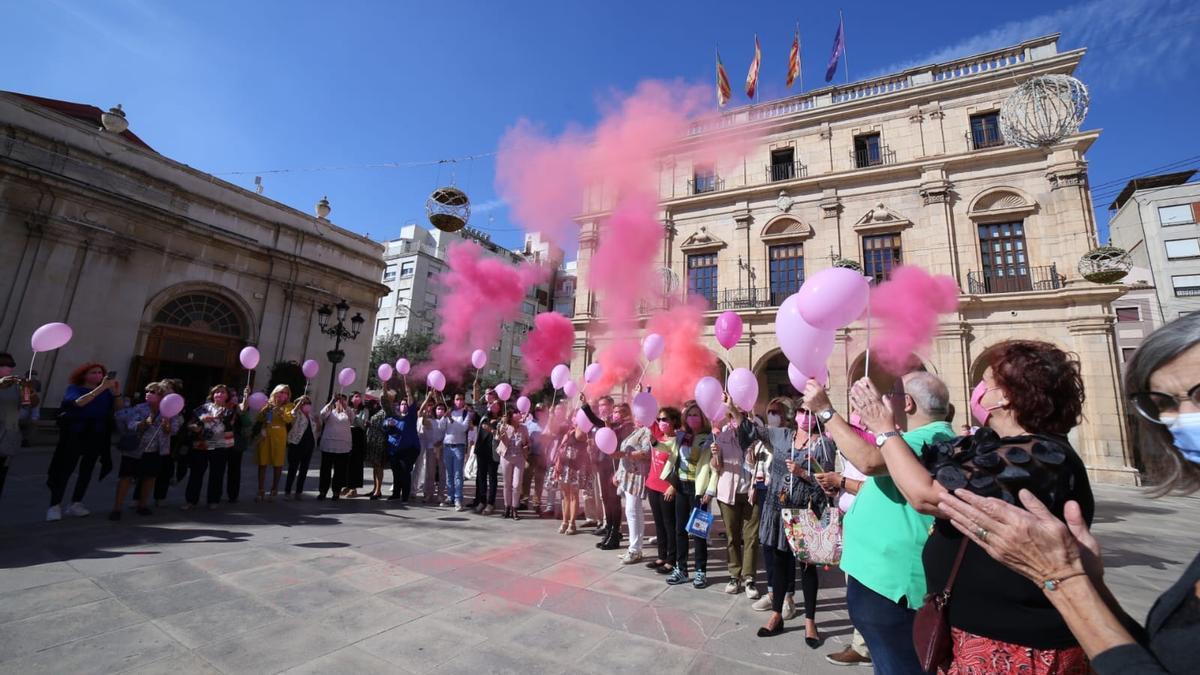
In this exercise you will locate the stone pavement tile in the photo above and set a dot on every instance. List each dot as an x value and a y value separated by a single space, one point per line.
347 660
673 626
297 550
30 602
218 621
392 551
707 664
427 595
526 559
711 600
339 562
502 659
272 577
356 536
380 577
65 625
151 578
436 563
421 645
246 558
315 596
18 578
112 652
625 652
573 573
606 611
479 576
183 597
187 664
486 614
737 640
563 637
645 586
535 592
122 558
364 618
278 646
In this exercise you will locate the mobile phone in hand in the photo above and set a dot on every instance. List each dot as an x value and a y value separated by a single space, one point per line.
112 375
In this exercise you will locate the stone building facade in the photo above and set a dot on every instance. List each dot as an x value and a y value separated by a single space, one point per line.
162 270
906 168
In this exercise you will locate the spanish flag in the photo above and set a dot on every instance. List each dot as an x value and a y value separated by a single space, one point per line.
752 75
794 61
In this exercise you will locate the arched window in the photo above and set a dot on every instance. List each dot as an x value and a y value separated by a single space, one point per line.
202 312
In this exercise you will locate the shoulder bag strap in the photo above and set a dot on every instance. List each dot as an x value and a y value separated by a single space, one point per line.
954 569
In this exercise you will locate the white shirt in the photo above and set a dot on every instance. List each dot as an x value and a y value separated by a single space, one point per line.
457 423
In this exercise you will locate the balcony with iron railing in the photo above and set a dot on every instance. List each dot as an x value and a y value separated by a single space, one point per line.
1187 292
705 183
864 158
780 171
1015 279
981 139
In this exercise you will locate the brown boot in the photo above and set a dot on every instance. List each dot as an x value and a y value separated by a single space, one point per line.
848 657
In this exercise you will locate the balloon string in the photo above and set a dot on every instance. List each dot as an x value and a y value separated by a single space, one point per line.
867 366
32 360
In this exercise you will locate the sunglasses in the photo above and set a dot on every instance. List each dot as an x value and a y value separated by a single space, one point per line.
664 419
1162 408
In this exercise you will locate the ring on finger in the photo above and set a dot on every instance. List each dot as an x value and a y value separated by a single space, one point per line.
982 533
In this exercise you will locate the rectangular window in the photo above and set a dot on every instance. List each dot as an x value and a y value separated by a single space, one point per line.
787 271
702 276
407 269
1129 314
704 179
430 300
382 327
1183 248
881 252
1186 285
1005 267
389 273
1178 214
783 164
985 130
866 151
530 308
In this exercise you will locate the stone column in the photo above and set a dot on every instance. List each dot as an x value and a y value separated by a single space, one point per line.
939 217
1101 438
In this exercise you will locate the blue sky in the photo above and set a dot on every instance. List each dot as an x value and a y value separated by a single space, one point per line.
236 86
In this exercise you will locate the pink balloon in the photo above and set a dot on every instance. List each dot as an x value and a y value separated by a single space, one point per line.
504 391
708 395
560 375
728 329
582 421
50 337
436 380
403 366
249 358
807 347
833 298
799 379
310 368
347 377
524 404
478 358
722 414
653 346
257 401
570 389
593 372
170 406
743 388
606 441
384 372
645 408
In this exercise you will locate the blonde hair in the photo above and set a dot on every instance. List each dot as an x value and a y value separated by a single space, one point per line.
281 387
156 388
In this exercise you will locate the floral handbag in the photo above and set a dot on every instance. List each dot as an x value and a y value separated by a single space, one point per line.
813 539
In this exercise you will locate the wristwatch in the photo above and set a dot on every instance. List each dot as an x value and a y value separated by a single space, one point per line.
825 415
880 439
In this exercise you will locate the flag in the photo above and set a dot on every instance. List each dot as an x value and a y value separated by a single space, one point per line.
794 60
724 91
839 50
752 75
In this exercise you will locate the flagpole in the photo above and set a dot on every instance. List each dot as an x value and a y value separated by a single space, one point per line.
845 52
799 58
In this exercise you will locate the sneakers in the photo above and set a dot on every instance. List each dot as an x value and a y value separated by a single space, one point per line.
751 589
489 510
733 587
678 576
460 507
54 513
447 502
631 558
478 508
763 604
78 510
789 608
700 580
848 657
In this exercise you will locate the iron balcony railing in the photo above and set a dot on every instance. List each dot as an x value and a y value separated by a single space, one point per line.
1015 279
778 171
702 184
986 138
867 157
1187 291
753 298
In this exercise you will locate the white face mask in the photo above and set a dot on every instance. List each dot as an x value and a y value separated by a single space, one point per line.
774 420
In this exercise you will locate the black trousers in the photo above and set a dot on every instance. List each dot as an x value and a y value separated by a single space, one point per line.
233 473
487 479
213 462
299 456
333 470
75 449
4 462
354 465
781 578
663 512
609 498
162 481
685 501
402 464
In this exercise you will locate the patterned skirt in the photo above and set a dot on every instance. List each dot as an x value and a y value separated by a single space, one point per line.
976 655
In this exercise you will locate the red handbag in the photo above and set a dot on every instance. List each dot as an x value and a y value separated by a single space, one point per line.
931 626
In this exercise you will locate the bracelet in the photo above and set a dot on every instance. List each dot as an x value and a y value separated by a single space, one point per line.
1053 584
843 482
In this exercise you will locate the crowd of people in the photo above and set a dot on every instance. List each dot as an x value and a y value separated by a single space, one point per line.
987 525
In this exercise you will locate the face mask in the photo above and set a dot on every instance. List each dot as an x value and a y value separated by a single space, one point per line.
694 422
774 420
978 409
664 427
1185 430
802 422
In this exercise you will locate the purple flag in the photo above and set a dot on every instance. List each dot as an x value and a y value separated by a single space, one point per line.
839 49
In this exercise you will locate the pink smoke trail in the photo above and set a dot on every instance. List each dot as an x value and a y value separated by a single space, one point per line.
548 344
904 315
685 359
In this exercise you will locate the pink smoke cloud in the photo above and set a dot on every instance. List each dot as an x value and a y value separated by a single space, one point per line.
548 344
685 359
904 315
622 362
482 292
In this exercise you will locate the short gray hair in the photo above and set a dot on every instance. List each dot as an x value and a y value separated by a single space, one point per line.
929 393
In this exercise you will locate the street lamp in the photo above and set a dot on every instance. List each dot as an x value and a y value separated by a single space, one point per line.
338 332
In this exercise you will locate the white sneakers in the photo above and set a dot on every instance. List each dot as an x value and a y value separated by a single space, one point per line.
460 507
54 513
631 558
763 604
76 509
733 587
489 510
751 589
789 608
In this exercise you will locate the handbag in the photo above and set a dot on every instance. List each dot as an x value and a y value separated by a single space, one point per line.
814 539
931 625
700 522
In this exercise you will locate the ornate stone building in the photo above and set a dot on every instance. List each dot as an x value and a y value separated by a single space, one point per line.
162 270
905 168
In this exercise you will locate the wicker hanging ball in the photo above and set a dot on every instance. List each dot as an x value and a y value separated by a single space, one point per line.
1044 110
448 209
1105 265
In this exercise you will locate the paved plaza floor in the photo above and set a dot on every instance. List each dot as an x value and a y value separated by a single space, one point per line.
359 587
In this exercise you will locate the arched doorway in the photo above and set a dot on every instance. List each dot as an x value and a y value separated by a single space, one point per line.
195 337
882 379
773 379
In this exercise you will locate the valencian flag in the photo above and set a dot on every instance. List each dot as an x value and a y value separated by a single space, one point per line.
752 75
794 61
839 51
724 91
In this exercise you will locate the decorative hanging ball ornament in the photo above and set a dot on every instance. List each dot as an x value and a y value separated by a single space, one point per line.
848 263
1044 110
1105 265
448 209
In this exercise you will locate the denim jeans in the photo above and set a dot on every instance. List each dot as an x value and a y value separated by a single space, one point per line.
887 628
452 460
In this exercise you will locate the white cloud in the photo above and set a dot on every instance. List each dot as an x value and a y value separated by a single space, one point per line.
489 205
